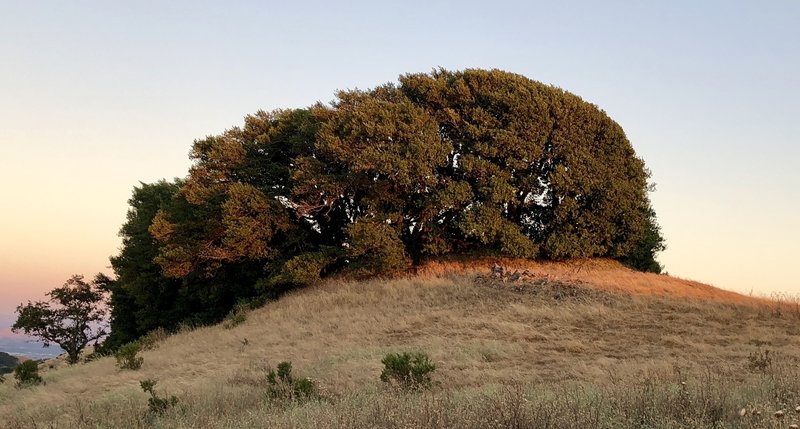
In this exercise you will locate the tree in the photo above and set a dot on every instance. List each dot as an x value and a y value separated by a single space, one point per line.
540 172
643 255
141 298
473 162
470 162
72 318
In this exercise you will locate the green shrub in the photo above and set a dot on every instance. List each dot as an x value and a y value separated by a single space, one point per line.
237 316
27 374
157 405
407 370
283 386
127 356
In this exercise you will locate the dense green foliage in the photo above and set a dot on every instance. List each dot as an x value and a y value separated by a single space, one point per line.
142 298
72 318
27 374
145 297
642 256
472 163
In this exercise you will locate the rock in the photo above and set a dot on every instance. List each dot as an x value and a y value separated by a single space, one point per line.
497 270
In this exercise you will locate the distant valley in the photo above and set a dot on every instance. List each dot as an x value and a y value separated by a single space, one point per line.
22 345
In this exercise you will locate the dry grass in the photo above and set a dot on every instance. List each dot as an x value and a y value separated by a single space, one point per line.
594 325
600 274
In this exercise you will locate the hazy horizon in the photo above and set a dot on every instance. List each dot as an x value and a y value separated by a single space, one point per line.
95 98
21 345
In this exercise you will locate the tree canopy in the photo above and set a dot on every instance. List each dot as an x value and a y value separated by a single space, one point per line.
471 162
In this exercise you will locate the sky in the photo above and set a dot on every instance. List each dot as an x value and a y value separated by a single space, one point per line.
96 97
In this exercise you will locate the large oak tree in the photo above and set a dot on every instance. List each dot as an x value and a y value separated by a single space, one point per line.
469 162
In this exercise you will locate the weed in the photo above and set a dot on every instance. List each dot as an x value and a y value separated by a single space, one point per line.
282 385
408 370
157 405
151 340
236 317
96 354
127 356
187 326
759 360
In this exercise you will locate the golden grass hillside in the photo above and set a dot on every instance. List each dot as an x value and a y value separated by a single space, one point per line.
582 345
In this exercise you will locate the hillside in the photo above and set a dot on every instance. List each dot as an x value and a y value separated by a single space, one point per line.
577 345
7 362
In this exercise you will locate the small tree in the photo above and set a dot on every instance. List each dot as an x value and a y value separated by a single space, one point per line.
72 318
27 374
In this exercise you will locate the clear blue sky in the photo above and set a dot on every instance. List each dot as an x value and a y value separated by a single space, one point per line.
96 96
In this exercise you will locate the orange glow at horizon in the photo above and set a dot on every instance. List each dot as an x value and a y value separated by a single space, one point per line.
96 97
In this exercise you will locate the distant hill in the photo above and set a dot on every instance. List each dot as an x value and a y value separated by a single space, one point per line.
23 346
7 362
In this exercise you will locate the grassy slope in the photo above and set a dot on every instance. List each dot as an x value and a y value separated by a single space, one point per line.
615 327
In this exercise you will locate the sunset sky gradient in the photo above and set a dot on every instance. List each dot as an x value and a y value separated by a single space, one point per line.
98 96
